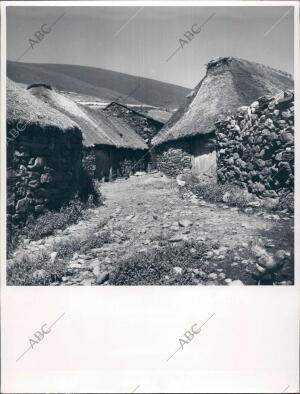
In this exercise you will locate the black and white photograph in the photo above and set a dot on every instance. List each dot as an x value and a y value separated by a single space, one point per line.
150 146
149 196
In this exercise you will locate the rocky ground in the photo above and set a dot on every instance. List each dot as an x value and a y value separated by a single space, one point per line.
146 212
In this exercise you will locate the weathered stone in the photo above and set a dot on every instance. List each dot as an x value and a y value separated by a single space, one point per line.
102 277
38 163
53 257
46 178
185 223
23 205
177 270
236 283
75 266
39 275
129 217
176 238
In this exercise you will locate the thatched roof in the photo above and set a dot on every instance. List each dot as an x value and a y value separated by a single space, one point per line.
23 108
160 115
97 128
228 84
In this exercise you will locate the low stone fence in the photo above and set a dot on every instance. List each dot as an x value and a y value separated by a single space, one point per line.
255 146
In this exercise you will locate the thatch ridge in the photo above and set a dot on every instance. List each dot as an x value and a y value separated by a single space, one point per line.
97 128
222 59
228 84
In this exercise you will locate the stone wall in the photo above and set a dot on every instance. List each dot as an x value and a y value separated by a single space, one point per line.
89 160
255 146
173 158
44 169
128 161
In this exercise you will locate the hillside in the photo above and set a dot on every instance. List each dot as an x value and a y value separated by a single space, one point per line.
104 84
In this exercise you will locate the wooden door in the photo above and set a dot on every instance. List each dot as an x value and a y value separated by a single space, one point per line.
204 157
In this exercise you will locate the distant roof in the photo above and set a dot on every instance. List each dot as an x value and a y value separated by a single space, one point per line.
152 118
23 107
97 127
228 84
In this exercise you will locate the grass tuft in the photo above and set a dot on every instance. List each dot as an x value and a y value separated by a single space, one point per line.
29 269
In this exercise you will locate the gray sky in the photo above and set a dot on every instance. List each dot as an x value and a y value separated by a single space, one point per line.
139 41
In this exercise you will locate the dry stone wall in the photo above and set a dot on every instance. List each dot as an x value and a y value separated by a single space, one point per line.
128 161
44 169
173 158
255 146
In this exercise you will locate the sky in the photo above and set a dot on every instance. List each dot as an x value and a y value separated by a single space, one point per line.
142 40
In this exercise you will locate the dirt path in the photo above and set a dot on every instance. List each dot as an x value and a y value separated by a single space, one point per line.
144 210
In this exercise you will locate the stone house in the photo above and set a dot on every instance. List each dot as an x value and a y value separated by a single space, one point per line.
110 144
145 126
187 141
44 150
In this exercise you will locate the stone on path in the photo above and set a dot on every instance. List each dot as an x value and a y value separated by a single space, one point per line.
53 256
87 282
185 223
129 217
177 270
96 270
101 278
178 238
75 266
236 283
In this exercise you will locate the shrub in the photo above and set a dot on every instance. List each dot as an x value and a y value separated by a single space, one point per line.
156 266
47 224
89 189
36 269
94 241
228 193
66 248
51 221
